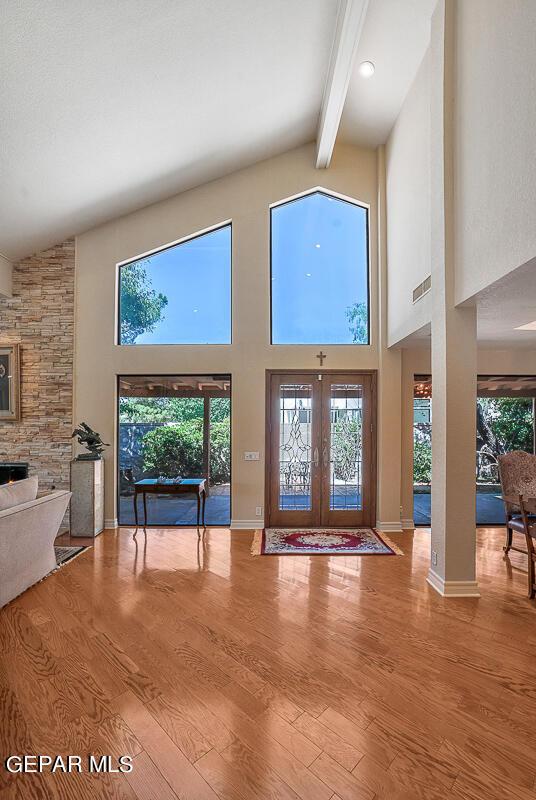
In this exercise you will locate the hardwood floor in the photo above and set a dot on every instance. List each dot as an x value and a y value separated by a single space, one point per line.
227 676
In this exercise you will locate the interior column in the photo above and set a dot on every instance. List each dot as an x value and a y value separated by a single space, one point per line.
452 570
454 346
389 387
406 416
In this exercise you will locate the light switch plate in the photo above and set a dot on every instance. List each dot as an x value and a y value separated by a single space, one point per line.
251 455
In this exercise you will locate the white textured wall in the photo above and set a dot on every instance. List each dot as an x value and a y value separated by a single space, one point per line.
408 209
495 173
244 197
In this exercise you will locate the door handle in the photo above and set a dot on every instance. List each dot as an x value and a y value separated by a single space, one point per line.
315 457
325 456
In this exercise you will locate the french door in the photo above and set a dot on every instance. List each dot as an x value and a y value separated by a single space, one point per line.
320 448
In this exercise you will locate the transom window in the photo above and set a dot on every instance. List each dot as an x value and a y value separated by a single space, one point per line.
179 295
319 271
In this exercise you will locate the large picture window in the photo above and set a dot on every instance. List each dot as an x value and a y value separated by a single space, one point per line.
319 271
171 427
179 295
505 421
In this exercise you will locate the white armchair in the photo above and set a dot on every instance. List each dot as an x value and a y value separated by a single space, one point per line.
27 534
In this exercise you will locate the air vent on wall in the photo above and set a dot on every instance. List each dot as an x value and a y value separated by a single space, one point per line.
422 288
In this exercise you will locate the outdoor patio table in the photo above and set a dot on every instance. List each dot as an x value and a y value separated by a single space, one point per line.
147 486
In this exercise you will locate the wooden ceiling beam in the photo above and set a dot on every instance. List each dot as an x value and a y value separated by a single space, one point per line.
350 20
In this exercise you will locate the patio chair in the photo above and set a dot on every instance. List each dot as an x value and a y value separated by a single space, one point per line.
517 473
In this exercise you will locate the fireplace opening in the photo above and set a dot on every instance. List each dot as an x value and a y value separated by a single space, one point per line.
13 471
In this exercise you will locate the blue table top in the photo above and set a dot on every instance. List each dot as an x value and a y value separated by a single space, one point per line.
183 482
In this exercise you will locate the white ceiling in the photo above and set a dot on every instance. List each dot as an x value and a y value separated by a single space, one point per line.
114 105
501 309
109 106
507 304
395 37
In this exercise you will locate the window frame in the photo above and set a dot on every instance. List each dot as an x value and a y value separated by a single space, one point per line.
118 378
344 199
183 240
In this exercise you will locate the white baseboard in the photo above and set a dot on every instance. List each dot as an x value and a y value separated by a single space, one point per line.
389 527
247 524
452 588
110 523
407 524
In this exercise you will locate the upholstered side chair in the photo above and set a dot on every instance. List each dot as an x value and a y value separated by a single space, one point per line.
517 472
528 516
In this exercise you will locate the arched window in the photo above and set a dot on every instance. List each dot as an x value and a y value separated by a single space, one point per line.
319 271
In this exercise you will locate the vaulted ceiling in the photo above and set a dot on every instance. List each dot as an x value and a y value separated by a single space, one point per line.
109 106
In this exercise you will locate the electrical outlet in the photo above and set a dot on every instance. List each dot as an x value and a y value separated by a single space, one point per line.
434 558
251 455
258 511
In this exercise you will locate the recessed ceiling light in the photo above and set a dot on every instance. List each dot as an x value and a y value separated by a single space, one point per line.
317 246
195 310
366 69
530 326
307 274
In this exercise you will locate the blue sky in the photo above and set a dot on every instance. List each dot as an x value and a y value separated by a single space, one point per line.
195 276
319 270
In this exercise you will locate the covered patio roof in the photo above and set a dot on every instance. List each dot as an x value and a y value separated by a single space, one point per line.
175 385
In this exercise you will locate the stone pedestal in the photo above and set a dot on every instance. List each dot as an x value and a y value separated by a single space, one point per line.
87 502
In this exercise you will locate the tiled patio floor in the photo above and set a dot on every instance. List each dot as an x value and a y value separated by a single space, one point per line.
489 509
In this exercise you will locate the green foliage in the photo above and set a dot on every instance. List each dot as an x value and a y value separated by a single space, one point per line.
220 409
171 409
510 419
357 315
178 450
160 409
174 450
505 424
422 461
346 448
220 451
141 305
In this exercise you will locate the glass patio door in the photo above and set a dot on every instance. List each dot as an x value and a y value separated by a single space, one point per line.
320 463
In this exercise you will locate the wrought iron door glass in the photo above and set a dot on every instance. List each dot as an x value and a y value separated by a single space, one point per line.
295 449
346 447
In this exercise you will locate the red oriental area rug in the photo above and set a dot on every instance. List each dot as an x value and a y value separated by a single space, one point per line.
322 541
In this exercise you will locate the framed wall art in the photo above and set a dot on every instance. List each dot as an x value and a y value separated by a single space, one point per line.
9 382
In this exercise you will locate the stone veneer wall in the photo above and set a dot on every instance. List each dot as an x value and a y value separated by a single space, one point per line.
40 317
